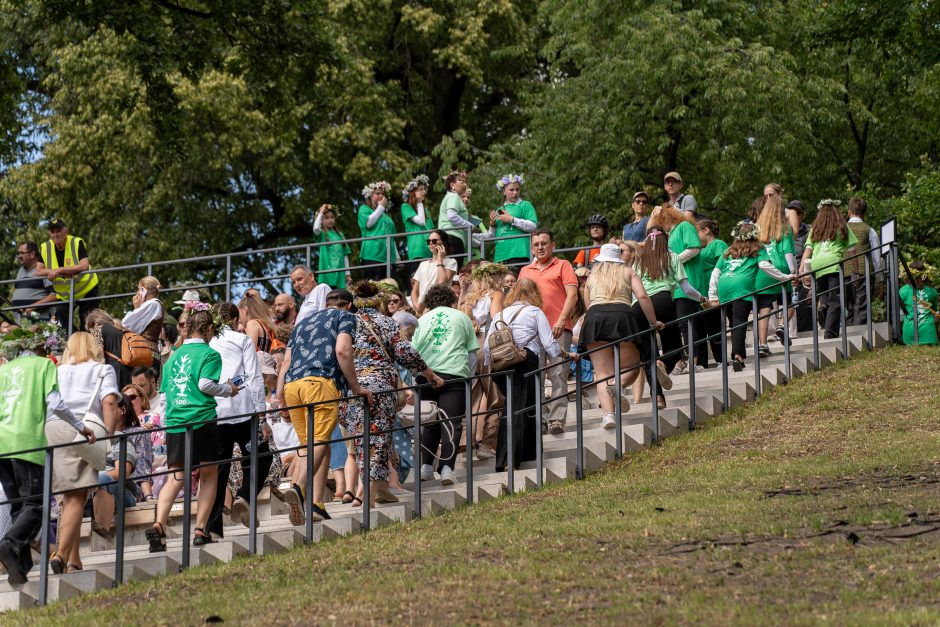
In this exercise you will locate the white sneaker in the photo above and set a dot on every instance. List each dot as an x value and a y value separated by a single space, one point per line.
241 513
427 472
608 421
485 452
447 476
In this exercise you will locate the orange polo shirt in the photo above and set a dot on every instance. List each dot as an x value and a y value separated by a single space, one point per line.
552 280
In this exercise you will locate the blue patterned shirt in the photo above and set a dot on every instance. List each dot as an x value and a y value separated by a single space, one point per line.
312 345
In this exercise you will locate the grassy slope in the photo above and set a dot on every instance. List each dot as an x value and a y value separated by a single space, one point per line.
862 439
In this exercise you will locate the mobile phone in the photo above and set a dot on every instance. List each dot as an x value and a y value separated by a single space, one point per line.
238 381
500 211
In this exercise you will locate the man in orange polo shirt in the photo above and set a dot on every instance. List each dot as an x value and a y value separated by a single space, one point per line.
559 286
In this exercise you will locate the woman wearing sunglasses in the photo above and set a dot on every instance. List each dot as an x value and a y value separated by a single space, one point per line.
439 269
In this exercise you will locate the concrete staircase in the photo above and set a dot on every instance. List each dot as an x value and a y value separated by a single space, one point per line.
276 534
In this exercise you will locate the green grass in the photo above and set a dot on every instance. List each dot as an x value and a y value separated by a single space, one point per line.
682 533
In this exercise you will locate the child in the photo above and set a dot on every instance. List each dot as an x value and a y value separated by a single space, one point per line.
332 256
712 249
776 236
597 229
829 237
733 282
927 309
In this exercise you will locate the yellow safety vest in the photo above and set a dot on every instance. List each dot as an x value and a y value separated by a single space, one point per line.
84 283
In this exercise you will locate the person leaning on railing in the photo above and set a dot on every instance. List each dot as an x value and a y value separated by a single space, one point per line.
30 393
30 290
64 256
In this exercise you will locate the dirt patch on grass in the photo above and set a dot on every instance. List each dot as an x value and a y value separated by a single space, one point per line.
881 481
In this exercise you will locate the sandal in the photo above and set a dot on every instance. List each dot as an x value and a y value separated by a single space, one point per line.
156 536
348 497
200 537
356 502
57 564
73 568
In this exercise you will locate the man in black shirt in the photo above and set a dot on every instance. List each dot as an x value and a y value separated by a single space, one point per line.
31 290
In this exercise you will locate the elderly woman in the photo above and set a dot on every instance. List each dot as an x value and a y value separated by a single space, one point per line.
79 374
374 221
147 316
378 347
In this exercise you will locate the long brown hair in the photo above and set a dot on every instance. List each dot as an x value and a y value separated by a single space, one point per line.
829 225
667 218
524 291
742 247
256 309
653 258
772 221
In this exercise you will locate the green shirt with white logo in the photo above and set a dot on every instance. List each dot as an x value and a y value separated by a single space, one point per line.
444 337
186 404
24 384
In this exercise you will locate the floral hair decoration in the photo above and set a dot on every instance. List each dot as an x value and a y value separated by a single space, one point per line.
487 269
41 336
508 179
374 302
919 274
828 201
376 186
740 233
419 181
213 312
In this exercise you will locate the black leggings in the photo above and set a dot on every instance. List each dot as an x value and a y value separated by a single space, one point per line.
829 304
738 312
686 307
376 273
712 321
229 435
523 414
452 400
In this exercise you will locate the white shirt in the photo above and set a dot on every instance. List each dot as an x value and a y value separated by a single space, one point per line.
481 311
530 329
285 436
239 358
426 274
313 302
138 319
77 383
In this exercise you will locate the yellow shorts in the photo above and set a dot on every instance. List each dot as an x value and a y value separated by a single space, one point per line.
313 390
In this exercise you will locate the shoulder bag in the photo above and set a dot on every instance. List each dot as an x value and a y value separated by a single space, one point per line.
95 454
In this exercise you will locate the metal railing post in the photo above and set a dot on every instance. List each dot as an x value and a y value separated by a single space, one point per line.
691 349
309 256
44 533
915 315
539 445
787 367
870 326
119 537
654 393
416 508
755 315
725 390
578 417
253 488
843 329
469 246
388 256
228 277
366 465
618 405
815 319
187 493
510 445
308 487
71 324
893 273
468 437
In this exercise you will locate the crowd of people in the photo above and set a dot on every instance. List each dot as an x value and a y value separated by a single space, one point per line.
280 371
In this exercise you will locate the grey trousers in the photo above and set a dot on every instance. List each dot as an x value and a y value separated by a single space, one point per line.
557 409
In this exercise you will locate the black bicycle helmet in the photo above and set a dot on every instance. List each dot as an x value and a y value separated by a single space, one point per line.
598 219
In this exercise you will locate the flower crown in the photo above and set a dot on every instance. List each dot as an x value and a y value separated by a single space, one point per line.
193 307
373 302
507 179
924 274
46 335
828 201
487 269
419 181
375 186
754 233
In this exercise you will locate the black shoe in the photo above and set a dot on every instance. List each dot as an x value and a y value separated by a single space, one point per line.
319 513
201 537
737 364
156 538
16 576
295 501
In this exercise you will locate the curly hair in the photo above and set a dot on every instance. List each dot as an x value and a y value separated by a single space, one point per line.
228 312
198 322
667 219
439 296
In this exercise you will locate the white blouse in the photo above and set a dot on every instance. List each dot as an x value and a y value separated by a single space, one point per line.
530 329
136 321
77 383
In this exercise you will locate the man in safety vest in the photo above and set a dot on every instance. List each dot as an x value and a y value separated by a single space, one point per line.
63 257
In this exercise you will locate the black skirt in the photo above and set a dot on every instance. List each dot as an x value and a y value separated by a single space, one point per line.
607 323
205 446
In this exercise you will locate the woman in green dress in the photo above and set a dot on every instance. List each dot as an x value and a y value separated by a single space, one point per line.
417 220
516 217
374 221
334 258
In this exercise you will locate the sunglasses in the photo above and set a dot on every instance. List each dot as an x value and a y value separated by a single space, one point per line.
394 300
435 241
642 202
132 397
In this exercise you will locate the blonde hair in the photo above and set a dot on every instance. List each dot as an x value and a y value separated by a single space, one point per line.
479 288
257 309
144 401
772 220
524 291
151 284
609 278
82 347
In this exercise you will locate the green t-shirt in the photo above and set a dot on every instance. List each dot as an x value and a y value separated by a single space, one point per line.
185 402
518 247
452 201
331 258
665 283
444 337
828 255
926 327
737 277
776 252
24 384
710 256
417 244
684 236
375 249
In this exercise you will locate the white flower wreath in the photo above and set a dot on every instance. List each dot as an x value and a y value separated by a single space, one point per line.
507 179
375 186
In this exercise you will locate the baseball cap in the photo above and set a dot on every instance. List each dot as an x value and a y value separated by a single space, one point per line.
673 175
189 296
641 193
796 204
56 223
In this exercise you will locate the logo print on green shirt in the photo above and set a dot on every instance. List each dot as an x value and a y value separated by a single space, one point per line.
441 329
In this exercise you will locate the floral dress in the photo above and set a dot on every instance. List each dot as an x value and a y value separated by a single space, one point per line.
377 374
